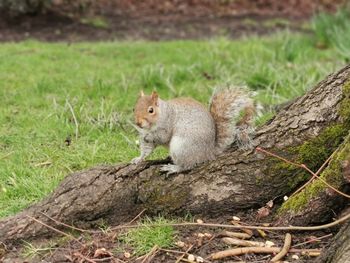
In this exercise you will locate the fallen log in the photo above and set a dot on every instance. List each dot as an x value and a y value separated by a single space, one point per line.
236 180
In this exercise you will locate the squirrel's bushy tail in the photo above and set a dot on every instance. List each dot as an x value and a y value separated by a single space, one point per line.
233 111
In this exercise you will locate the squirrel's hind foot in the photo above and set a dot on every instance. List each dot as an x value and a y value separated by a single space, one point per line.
171 168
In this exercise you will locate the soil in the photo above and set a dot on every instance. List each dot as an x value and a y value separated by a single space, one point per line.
159 20
106 246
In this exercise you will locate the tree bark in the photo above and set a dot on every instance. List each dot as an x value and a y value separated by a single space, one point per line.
236 180
339 250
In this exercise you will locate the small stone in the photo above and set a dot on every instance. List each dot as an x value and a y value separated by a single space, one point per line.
199 221
191 258
200 235
295 257
180 244
199 259
208 235
285 198
236 218
127 255
269 243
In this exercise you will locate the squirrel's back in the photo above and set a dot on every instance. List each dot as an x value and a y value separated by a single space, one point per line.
194 119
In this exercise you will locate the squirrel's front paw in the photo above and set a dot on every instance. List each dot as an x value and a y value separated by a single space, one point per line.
170 168
136 160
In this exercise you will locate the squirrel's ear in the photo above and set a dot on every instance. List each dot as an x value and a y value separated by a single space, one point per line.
142 93
154 97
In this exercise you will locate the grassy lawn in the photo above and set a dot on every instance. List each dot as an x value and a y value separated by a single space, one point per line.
46 89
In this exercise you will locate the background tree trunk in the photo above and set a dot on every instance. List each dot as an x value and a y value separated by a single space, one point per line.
236 180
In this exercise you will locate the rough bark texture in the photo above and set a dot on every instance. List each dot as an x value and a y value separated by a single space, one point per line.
236 180
339 251
314 203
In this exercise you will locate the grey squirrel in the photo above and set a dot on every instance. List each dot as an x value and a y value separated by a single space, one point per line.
193 133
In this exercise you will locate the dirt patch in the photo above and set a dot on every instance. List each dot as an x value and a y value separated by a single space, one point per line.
165 20
108 246
53 27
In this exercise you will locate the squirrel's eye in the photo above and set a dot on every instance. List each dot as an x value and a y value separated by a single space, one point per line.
150 110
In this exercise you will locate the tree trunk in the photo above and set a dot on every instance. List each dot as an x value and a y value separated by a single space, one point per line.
236 180
339 251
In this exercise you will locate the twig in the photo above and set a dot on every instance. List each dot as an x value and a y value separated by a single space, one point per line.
303 166
287 228
75 120
257 250
235 234
313 177
183 254
69 226
150 254
78 254
312 240
128 225
247 231
55 229
136 217
244 250
103 259
242 243
284 250
177 252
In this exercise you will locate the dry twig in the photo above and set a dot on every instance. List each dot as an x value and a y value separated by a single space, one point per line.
259 250
312 240
78 254
56 230
285 249
183 254
148 257
303 166
235 234
242 243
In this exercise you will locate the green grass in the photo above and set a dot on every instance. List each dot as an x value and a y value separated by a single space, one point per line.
143 239
43 84
334 31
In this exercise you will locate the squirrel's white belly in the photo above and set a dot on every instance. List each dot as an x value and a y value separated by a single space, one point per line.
176 145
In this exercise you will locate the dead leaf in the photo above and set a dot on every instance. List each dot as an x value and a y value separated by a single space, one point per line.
102 252
263 212
270 204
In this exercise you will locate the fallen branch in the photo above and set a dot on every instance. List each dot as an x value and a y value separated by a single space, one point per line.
312 240
283 228
285 249
247 231
242 243
259 250
235 234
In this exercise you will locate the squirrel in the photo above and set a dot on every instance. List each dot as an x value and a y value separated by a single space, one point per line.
193 133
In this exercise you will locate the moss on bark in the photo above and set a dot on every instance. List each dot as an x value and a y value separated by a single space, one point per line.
315 151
